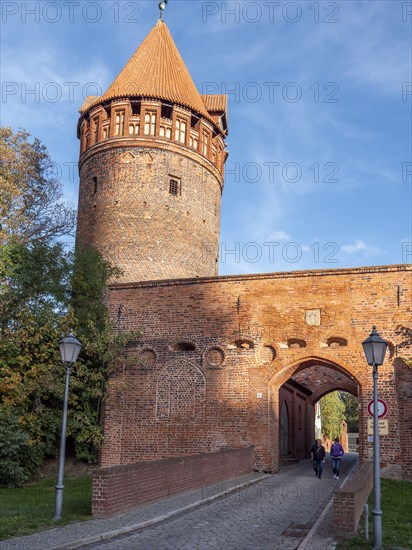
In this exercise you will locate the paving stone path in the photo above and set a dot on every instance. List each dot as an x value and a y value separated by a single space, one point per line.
276 513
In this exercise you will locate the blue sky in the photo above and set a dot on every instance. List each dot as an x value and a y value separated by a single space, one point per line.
319 173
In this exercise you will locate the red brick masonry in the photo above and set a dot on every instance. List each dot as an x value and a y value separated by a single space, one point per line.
223 395
121 488
349 500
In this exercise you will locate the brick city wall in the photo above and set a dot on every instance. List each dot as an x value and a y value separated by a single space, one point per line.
127 212
350 499
205 373
403 377
121 488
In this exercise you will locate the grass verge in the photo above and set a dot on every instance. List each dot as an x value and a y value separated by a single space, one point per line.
27 509
396 505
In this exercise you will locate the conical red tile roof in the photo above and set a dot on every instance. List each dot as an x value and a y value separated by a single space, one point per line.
157 70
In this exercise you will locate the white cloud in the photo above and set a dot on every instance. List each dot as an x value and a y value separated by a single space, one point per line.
360 246
279 236
350 248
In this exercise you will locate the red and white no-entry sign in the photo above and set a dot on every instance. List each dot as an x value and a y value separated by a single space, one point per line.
382 408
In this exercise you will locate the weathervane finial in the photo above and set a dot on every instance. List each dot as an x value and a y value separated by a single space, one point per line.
162 7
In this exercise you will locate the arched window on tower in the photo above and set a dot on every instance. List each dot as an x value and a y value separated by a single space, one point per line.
205 147
164 131
133 128
119 130
180 131
95 129
150 123
193 141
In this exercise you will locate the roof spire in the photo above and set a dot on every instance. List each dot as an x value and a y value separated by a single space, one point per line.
162 7
156 70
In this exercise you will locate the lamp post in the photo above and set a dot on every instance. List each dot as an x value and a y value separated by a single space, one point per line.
375 348
69 352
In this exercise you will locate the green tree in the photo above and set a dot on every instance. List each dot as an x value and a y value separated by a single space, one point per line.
34 319
332 411
32 206
34 277
45 291
30 382
90 276
102 350
351 411
19 458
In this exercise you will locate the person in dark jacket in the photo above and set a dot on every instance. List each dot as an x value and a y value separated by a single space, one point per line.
336 454
317 454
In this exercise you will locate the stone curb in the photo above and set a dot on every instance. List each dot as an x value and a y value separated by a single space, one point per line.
156 520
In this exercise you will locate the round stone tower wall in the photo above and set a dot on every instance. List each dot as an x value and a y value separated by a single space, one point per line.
151 209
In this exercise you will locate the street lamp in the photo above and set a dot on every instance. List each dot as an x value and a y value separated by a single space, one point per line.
69 352
375 348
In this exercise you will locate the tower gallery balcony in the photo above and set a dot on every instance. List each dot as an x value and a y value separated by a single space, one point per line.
143 120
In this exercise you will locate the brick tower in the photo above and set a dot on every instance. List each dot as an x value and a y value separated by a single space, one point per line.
152 154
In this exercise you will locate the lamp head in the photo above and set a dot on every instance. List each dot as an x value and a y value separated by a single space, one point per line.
375 348
69 349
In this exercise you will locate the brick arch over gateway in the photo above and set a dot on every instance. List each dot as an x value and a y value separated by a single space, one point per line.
322 379
347 386
348 382
305 362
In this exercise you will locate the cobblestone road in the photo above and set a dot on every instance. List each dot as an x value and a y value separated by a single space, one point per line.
276 513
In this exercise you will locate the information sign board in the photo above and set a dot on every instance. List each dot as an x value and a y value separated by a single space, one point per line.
383 427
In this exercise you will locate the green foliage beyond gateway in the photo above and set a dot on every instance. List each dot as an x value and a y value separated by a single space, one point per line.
46 291
332 410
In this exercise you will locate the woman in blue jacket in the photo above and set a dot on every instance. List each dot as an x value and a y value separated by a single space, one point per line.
336 454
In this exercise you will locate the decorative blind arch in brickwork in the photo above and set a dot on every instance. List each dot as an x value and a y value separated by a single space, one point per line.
180 393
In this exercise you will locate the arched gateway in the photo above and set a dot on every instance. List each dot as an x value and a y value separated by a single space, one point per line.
297 388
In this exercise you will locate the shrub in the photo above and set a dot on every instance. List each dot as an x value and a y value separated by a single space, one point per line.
19 455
